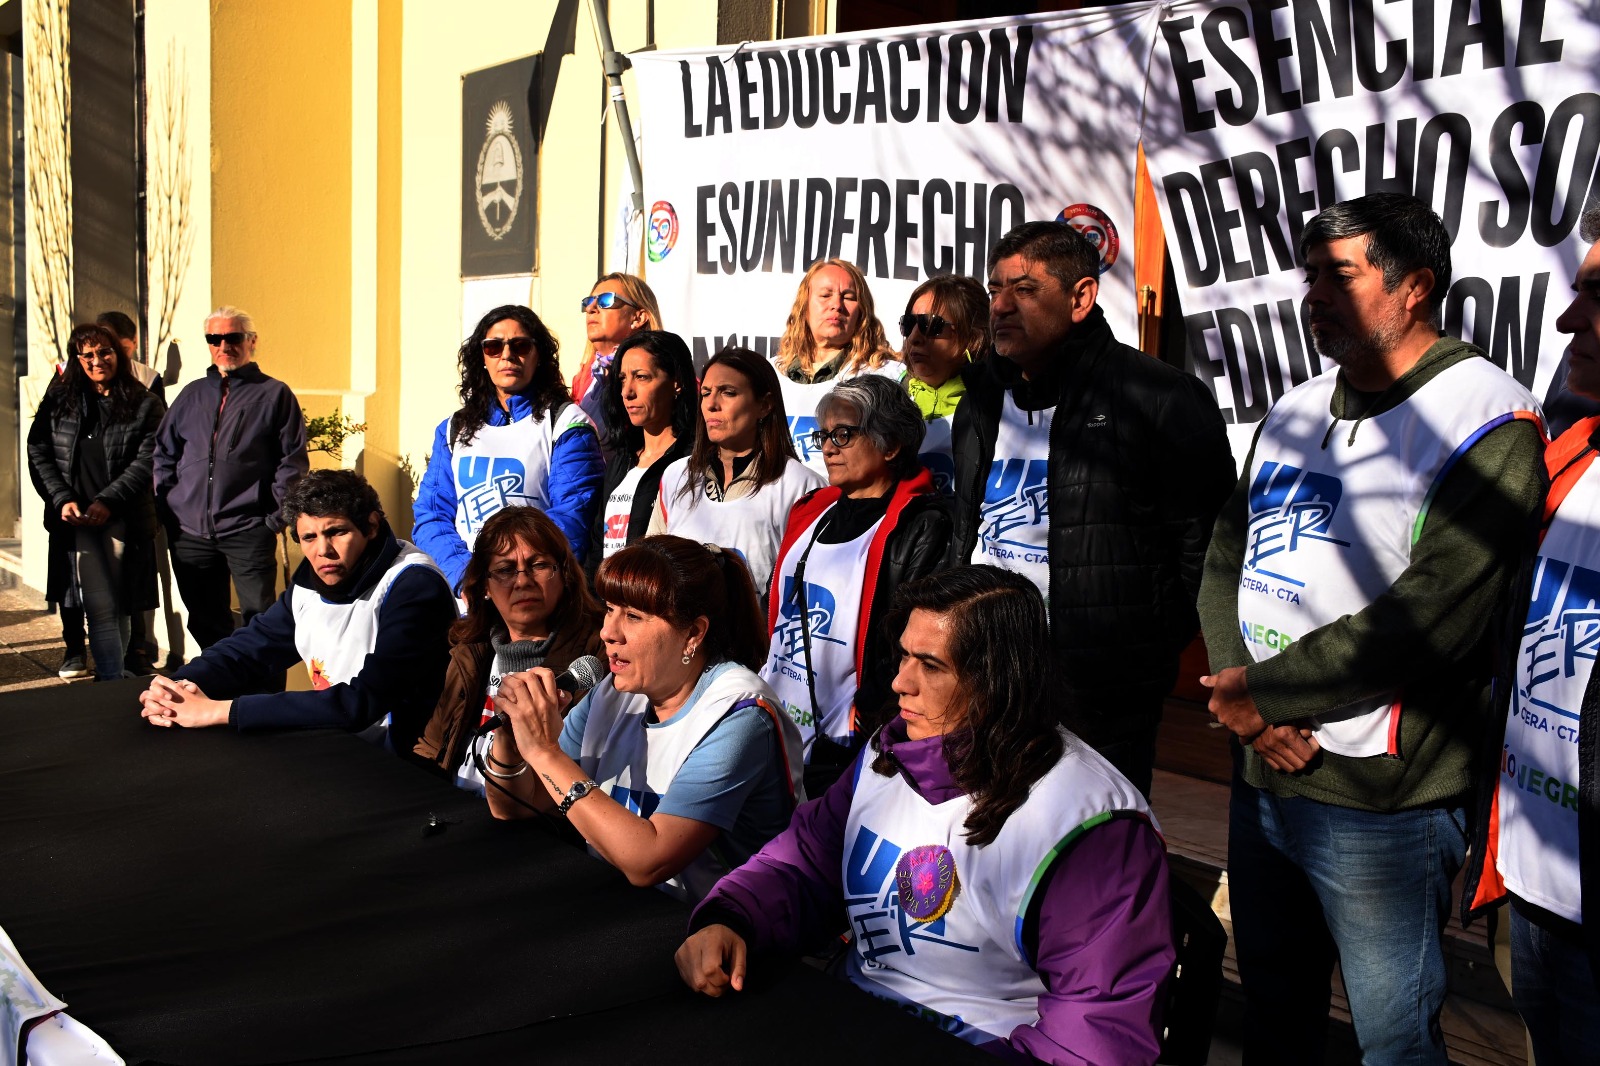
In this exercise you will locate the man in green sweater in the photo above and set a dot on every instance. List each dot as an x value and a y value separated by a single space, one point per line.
1352 595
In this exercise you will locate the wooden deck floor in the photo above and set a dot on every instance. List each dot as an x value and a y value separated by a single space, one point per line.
1480 1024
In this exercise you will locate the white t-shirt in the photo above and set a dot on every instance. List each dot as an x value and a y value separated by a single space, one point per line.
750 525
467 775
967 967
507 466
800 408
938 454
619 510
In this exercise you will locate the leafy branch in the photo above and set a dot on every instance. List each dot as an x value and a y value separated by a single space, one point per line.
327 433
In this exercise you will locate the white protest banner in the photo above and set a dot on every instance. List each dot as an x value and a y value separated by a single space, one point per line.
909 152
1261 114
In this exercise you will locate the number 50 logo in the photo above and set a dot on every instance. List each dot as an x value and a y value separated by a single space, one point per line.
662 232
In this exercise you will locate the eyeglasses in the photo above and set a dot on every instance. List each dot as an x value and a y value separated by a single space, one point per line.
841 435
539 570
930 325
606 301
236 338
98 355
520 346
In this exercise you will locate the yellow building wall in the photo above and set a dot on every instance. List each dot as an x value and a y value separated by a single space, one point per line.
577 201
178 140
281 160
440 46
48 86
323 143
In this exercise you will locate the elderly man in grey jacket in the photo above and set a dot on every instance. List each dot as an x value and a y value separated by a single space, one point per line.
232 444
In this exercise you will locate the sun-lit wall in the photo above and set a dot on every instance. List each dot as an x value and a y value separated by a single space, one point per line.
578 200
282 163
322 148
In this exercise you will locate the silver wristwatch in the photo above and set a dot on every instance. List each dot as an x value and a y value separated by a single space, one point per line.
579 790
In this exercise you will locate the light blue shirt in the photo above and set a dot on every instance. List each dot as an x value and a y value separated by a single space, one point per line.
733 779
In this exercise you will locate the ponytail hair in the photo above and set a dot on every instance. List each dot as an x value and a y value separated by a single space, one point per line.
680 580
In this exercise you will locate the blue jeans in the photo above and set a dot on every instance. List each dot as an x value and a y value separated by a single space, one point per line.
1308 883
98 556
1555 993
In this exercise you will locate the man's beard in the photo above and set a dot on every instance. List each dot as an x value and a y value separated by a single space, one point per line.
1353 352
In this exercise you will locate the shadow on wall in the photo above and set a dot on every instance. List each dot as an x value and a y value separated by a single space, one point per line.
171 368
396 481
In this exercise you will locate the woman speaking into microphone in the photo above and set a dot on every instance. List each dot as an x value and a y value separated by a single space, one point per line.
679 765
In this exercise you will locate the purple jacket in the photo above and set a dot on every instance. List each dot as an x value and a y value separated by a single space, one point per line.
1103 939
221 468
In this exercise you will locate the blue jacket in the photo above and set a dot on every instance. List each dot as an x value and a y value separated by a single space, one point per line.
577 471
403 676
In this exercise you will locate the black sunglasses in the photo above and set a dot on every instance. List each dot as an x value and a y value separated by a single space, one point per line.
930 325
217 340
496 345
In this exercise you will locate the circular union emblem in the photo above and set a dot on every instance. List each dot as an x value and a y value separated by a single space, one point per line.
1096 225
499 173
926 879
662 232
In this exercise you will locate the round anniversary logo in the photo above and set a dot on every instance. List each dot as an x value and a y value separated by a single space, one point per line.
1096 225
499 173
662 232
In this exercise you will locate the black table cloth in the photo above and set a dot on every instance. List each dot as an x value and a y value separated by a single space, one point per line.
205 896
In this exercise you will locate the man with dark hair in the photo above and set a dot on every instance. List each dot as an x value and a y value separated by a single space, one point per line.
1355 585
368 613
231 445
1538 825
127 333
1095 471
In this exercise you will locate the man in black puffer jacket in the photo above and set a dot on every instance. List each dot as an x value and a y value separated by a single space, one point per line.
1097 471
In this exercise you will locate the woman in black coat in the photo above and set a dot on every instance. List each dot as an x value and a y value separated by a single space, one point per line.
651 401
90 450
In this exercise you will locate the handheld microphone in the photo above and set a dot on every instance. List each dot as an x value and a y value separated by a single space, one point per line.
585 672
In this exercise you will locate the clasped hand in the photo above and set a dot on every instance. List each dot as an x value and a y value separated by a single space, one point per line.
1287 748
169 703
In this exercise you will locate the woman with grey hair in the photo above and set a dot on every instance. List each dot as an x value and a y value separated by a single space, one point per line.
877 524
